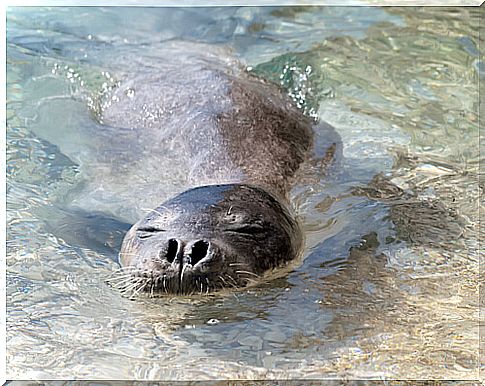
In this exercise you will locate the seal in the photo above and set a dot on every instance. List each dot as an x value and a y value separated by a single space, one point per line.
246 141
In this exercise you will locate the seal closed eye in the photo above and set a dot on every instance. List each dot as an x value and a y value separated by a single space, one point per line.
233 222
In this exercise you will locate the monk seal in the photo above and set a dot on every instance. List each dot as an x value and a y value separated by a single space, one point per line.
247 141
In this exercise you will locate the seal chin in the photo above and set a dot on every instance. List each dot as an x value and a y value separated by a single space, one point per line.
209 238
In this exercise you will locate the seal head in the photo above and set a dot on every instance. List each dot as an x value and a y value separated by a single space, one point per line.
208 238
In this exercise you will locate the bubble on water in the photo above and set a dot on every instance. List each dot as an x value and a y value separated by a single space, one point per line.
296 80
130 92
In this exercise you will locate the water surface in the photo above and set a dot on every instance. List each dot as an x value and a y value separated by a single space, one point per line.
388 287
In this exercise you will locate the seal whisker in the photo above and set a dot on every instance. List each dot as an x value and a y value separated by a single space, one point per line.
151 289
134 280
129 289
137 291
121 280
128 285
249 273
249 280
183 270
123 270
120 275
233 285
231 278
122 284
114 278
132 284
148 210
207 289
225 282
118 279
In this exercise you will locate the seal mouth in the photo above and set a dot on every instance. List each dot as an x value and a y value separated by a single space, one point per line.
192 269
133 282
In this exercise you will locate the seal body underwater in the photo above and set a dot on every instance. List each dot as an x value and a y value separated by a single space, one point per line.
243 141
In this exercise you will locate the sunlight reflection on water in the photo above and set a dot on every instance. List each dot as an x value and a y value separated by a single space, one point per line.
389 286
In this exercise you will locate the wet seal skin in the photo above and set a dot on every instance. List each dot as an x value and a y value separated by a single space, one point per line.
245 142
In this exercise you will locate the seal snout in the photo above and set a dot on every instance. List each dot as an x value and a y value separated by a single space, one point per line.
185 252
188 263
199 251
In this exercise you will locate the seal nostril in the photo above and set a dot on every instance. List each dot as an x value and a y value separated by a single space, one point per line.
173 246
199 251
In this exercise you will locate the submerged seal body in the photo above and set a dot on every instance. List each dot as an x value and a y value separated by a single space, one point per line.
244 141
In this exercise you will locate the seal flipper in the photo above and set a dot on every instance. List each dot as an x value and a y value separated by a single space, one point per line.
326 156
327 159
328 148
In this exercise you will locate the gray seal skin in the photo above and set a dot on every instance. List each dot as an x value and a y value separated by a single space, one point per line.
246 141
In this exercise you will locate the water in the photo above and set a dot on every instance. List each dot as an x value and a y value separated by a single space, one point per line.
389 284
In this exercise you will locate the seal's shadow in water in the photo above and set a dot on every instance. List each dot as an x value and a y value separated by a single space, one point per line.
88 230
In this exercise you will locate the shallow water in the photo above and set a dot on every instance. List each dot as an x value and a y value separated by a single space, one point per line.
389 284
